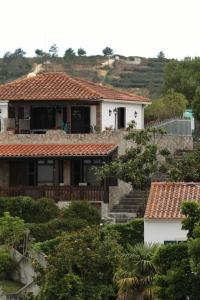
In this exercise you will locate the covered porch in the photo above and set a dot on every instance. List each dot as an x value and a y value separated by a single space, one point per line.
61 172
33 117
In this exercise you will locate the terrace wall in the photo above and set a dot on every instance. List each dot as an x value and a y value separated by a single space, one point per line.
172 142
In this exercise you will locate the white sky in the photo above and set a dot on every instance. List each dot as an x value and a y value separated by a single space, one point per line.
129 27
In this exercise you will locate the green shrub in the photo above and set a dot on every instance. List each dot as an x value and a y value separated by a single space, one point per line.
46 231
46 209
174 277
82 210
6 264
29 209
129 233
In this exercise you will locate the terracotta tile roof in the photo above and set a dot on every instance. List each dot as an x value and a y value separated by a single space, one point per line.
52 150
165 199
59 86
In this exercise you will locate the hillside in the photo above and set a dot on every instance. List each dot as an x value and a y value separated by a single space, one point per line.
135 74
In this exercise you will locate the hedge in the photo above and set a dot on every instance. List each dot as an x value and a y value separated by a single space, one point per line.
29 209
129 233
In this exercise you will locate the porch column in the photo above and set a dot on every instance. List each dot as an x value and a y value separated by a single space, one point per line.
98 117
93 116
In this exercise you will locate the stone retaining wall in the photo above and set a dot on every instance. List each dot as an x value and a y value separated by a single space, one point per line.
172 142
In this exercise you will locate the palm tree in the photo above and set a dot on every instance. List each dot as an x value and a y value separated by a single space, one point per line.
134 278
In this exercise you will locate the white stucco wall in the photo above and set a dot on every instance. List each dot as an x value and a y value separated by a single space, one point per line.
158 231
109 120
4 109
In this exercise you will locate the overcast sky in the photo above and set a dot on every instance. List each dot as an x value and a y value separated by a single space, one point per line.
129 27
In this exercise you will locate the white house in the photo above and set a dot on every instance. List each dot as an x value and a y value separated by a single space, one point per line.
36 106
162 220
52 100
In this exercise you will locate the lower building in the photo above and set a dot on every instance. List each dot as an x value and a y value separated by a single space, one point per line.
163 218
63 172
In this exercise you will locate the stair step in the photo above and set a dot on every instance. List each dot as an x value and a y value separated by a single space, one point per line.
128 205
125 210
131 202
120 215
123 221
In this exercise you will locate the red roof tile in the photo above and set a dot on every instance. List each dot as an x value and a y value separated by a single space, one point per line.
49 150
59 86
165 199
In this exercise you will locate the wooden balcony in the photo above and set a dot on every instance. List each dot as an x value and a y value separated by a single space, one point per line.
58 193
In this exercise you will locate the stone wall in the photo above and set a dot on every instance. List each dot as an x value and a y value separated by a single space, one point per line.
172 142
117 192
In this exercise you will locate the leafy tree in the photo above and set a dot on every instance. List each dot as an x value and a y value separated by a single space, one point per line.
53 51
81 52
18 53
82 210
7 55
82 268
191 210
187 169
183 76
196 103
7 265
130 233
40 52
12 230
107 51
161 56
172 104
139 162
69 53
174 277
191 223
135 276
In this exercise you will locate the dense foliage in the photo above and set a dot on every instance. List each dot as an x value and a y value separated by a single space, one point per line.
139 162
130 233
6 264
29 209
187 169
13 230
82 268
174 277
135 273
183 76
78 215
172 104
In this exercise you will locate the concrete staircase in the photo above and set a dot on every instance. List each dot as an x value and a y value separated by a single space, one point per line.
133 204
130 206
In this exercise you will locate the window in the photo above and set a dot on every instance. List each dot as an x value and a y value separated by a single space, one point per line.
170 242
121 117
45 172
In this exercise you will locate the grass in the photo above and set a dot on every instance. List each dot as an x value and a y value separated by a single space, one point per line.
9 286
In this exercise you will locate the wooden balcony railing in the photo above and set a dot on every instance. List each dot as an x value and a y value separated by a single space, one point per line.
58 193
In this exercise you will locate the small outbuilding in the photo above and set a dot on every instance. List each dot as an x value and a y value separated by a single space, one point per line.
163 218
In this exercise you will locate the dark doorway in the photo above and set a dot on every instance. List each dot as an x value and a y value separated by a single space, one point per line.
76 173
121 117
42 117
80 119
